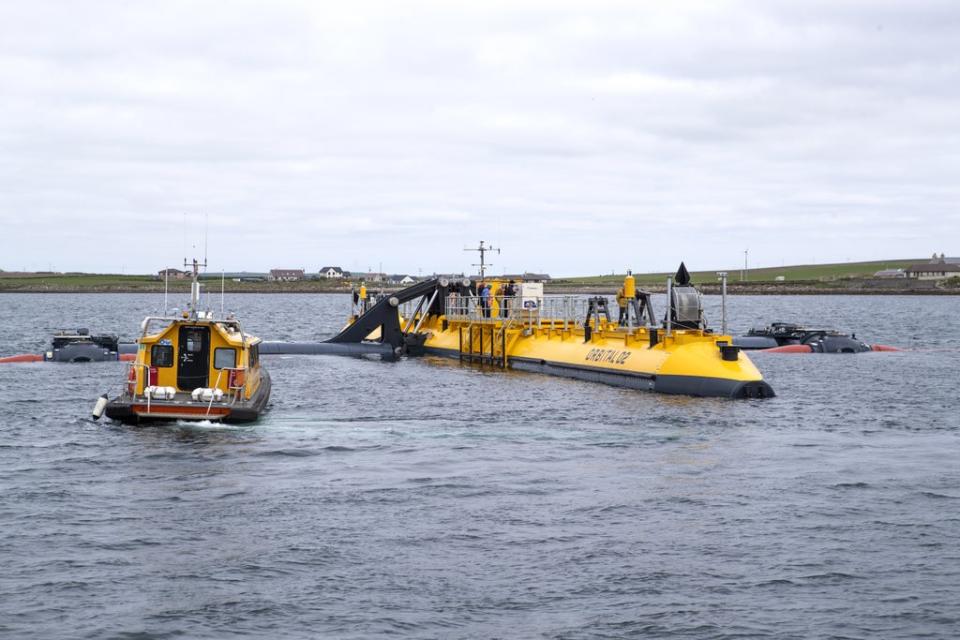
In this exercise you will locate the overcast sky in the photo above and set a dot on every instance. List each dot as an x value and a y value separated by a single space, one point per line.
579 137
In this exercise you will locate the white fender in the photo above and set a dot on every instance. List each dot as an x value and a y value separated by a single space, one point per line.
99 407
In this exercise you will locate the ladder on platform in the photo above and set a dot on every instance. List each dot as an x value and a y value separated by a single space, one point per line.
488 341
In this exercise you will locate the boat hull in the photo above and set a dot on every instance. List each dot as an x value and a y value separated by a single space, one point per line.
137 410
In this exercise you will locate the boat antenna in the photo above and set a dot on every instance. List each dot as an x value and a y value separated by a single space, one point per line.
166 281
483 251
206 236
195 285
223 276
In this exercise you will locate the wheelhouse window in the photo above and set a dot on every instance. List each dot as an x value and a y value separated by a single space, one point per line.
224 358
161 355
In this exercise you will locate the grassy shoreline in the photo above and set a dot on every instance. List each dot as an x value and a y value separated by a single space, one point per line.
856 278
733 289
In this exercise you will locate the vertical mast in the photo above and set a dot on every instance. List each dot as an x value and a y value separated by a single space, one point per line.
483 263
195 285
723 301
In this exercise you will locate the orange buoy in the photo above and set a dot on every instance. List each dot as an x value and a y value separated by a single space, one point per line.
26 357
883 347
789 348
127 357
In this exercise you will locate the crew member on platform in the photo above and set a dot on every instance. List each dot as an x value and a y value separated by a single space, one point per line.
485 299
622 303
509 292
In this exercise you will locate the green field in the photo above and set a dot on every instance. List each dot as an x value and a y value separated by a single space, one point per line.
75 281
794 273
67 282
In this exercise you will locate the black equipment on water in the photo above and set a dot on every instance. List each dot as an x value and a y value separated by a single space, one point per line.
780 334
78 345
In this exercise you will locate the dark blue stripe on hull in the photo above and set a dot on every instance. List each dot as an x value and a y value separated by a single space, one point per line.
590 374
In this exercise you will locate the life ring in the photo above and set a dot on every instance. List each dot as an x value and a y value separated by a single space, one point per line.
236 379
132 380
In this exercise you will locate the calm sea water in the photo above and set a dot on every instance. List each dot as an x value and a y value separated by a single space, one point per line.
433 500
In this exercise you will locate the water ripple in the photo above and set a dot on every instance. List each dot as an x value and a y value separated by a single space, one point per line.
431 500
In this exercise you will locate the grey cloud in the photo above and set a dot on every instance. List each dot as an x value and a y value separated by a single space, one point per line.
582 137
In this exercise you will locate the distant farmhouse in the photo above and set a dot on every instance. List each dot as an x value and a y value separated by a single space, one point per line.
938 268
519 277
286 275
332 272
890 273
175 274
368 276
452 277
527 277
236 276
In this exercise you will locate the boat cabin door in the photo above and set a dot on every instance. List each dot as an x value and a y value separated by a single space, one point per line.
194 358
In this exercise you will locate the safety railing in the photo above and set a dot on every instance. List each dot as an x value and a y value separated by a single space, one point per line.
134 378
477 308
554 311
216 385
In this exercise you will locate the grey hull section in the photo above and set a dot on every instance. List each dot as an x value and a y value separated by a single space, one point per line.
713 387
754 342
81 352
327 348
307 348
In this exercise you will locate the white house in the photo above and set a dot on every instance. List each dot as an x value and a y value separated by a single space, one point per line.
331 272
890 273
939 268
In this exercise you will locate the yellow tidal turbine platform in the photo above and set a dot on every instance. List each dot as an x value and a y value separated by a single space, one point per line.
514 324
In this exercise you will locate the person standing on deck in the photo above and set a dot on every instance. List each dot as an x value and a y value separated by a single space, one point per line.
622 303
485 299
508 294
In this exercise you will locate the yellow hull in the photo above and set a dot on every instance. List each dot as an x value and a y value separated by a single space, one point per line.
571 336
689 362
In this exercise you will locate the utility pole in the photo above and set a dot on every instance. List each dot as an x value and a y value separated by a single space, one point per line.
723 301
483 252
743 274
